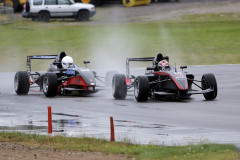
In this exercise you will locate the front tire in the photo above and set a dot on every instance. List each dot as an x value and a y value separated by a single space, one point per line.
209 81
21 83
83 15
119 86
141 88
50 84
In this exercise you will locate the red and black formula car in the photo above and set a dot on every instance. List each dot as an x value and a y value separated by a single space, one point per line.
162 80
57 80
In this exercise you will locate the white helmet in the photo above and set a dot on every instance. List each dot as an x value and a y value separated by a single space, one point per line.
67 61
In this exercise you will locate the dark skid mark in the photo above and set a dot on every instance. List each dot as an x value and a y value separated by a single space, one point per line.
63 114
127 123
162 134
120 104
162 125
143 107
124 121
145 126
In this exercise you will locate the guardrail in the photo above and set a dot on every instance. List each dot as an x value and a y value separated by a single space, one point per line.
6 15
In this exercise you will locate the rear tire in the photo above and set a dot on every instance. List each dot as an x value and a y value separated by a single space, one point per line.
50 84
83 16
43 17
109 77
141 88
119 86
21 83
209 81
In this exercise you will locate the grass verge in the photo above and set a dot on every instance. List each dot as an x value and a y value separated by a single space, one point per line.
196 152
201 39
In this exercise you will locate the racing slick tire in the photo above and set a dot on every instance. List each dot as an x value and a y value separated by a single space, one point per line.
21 83
50 84
108 78
119 86
141 88
209 81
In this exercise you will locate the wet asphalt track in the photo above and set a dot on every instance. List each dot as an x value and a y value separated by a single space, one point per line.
162 122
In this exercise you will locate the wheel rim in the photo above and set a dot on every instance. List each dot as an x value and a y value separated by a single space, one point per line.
45 84
44 17
136 88
16 82
83 15
113 86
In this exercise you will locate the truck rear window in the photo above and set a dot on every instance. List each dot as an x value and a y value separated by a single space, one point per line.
37 2
50 2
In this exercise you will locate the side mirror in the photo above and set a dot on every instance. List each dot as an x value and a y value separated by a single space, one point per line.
183 67
86 62
149 68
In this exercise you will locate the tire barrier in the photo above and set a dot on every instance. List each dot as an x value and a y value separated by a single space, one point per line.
6 15
131 3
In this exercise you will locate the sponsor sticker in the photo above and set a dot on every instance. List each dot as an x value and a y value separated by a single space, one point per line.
179 75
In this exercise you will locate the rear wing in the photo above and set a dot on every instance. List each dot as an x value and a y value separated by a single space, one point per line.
38 57
144 59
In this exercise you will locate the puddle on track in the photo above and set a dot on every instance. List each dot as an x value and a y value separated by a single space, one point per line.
133 131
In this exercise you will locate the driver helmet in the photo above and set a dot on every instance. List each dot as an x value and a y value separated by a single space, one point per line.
67 62
162 65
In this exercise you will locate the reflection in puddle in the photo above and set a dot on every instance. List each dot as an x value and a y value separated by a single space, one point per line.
67 122
23 127
63 114
95 126
126 123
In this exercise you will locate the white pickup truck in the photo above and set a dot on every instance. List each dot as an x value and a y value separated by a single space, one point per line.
43 10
